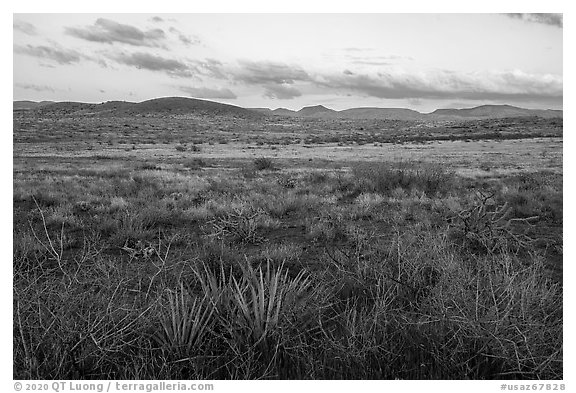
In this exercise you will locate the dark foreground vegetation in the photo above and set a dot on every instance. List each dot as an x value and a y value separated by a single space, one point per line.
384 270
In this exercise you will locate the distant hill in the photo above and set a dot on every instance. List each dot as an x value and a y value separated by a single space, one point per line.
184 105
266 111
494 111
284 112
27 105
316 111
166 105
476 113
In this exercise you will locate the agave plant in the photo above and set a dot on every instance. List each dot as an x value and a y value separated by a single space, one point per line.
186 322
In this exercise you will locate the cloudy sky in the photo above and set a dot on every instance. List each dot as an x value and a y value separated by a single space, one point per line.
417 61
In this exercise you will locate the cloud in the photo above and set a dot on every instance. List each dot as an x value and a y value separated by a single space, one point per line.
269 73
59 55
547 19
212 68
515 85
281 92
203 92
276 78
110 32
151 62
185 39
156 19
31 86
25 27
188 40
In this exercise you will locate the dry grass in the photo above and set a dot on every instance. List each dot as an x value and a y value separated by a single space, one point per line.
141 267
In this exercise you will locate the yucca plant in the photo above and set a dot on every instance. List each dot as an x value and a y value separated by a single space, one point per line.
214 285
186 323
264 300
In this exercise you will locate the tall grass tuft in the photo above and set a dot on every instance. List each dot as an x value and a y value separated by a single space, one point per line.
385 177
186 322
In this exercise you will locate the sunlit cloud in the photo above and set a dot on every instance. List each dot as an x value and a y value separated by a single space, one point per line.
281 92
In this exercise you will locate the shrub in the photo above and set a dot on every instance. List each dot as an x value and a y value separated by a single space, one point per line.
150 166
248 173
287 181
317 177
240 225
490 228
262 163
196 163
385 177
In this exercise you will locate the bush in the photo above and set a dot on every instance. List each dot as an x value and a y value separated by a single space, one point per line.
491 228
150 167
196 163
383 178
262 163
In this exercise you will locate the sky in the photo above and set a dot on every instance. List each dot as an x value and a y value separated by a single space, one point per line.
418 61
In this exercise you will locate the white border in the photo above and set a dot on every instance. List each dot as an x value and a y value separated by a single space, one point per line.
295 6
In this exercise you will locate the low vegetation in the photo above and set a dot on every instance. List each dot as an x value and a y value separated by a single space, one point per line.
194 246
262 163
385 270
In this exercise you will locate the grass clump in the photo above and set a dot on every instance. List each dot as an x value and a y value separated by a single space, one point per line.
196 163
383 178
185 323
263 163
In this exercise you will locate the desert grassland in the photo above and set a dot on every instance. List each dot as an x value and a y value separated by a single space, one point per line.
200 260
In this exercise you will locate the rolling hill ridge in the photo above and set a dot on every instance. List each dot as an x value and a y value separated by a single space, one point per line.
183 106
